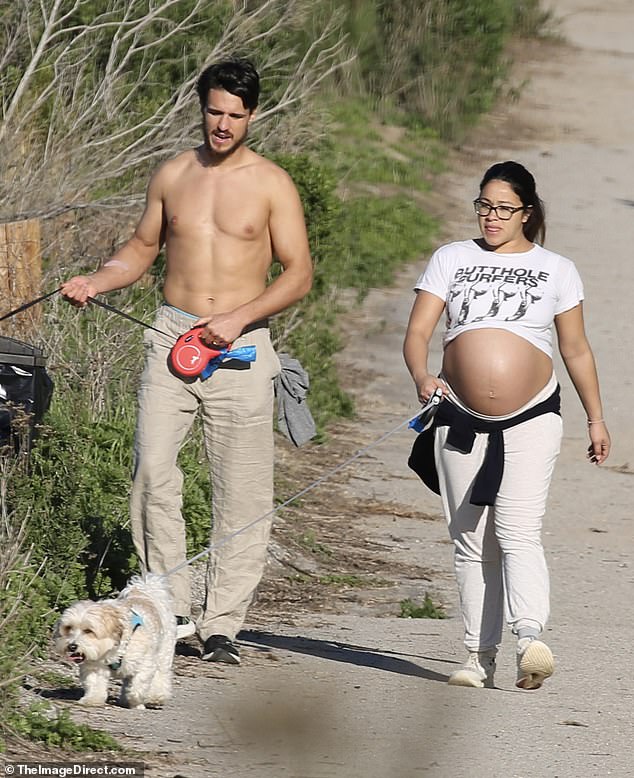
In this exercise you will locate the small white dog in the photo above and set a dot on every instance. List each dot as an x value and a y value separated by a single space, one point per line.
132 637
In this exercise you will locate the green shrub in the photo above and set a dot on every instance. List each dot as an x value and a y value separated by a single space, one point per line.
25 618
317 187
315 341
380 235
25 615
441 60
428 610
356 244
59 729
76 490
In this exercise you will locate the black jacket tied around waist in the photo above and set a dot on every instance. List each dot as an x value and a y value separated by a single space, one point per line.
463 427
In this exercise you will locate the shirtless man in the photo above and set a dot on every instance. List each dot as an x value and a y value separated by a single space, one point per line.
222 212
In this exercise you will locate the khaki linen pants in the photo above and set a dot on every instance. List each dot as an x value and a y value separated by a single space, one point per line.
236 406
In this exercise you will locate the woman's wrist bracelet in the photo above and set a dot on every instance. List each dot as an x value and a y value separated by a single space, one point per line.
596 421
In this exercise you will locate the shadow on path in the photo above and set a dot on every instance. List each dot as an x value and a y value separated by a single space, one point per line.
343 652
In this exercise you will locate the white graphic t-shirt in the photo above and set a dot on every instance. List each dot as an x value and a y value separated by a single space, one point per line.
521 293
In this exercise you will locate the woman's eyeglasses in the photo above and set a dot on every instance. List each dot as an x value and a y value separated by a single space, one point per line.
504 212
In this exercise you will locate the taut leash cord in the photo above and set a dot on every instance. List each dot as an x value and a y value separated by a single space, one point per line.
109 307
28 305
291 499
92 300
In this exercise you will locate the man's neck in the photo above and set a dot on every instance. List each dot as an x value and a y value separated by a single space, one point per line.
235 158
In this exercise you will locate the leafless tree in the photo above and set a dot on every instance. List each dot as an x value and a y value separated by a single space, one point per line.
79 119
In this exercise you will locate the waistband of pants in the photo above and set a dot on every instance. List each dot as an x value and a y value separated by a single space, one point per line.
180 316
542 395
464 426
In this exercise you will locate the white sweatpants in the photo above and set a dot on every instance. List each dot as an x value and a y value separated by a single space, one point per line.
499 558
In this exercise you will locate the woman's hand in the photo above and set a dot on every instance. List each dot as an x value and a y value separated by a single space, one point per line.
599 447
428 386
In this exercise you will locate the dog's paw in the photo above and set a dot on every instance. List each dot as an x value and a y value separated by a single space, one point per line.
93 702
134 703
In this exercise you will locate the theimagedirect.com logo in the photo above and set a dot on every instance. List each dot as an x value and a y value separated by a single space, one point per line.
67 769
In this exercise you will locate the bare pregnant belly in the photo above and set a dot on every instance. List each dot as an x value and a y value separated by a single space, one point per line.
495 372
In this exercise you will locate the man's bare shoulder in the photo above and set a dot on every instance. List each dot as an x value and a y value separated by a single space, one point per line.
271 175
178 164
272 168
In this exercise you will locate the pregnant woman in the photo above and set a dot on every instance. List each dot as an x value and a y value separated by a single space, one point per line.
497 432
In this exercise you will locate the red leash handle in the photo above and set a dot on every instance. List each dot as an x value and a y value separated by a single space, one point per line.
190 355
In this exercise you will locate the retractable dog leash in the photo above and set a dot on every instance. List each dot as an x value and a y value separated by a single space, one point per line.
28 305
420 421
127 316
91 300
425 417
317 482
190 356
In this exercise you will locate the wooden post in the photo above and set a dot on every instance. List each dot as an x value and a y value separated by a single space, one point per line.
20 275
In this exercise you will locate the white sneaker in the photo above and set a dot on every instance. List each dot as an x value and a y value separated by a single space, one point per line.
185 627
477 671
535 663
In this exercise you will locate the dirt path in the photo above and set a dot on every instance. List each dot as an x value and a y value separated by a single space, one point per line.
355 695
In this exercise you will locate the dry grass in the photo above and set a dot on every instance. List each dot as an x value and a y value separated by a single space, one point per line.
323 556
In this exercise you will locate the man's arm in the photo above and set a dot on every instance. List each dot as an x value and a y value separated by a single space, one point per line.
132 260
289 241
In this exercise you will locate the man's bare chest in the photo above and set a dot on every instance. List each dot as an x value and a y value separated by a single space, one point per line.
197 208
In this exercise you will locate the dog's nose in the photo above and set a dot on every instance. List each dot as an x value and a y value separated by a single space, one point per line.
72 646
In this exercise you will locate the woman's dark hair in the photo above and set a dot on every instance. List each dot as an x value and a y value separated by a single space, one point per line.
523 184
235 75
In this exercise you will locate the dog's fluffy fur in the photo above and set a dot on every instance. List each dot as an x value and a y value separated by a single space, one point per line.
101 639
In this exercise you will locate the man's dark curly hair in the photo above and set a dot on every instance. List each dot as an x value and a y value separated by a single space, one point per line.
235 75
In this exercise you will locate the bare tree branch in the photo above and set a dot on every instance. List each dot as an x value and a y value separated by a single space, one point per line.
83 119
